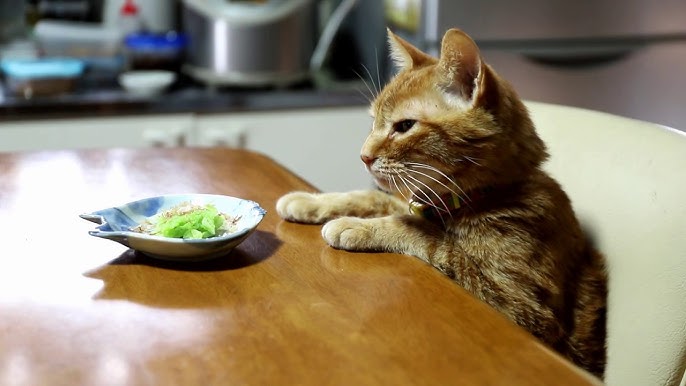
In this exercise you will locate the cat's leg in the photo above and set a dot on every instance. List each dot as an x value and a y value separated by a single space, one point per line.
317 208
414 236
405 234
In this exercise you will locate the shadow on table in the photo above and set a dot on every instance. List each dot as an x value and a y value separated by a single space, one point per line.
169 284
259 246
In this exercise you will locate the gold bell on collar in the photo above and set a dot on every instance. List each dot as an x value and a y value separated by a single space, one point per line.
422 209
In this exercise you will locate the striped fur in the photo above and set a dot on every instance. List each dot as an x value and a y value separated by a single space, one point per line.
519 247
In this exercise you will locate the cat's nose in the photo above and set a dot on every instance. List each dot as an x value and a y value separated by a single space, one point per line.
368 160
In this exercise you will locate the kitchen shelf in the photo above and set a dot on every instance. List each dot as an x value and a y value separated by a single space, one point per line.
185 99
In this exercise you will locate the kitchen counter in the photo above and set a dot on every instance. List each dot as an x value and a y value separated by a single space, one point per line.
186 98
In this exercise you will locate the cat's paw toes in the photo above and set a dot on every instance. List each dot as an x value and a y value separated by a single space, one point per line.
348 233
300 207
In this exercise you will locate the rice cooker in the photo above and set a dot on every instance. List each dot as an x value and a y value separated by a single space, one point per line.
257 43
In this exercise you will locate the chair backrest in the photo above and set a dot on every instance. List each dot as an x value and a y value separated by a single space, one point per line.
627 182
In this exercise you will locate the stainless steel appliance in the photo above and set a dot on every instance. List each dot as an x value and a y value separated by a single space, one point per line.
626 57
12 22
256 43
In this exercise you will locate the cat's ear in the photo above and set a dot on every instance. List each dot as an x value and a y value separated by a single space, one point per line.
405 55
460 66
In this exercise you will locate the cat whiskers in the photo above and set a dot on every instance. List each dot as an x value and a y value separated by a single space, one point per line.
390 175
376 60
391 178
416 188
412 166
419 187
369 98
377 87
472 160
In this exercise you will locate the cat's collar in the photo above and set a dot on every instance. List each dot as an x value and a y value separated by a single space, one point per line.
446 206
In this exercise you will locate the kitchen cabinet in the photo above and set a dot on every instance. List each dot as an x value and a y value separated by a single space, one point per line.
322 145
109 132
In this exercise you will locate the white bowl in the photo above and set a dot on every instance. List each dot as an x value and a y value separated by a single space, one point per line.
146 83
116 224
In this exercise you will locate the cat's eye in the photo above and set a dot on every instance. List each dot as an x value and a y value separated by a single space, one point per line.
404 125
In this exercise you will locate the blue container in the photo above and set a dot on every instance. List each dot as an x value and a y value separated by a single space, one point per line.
155 51
42 68
42 76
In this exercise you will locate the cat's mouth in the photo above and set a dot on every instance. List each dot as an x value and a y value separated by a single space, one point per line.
414 181
421 198
381 180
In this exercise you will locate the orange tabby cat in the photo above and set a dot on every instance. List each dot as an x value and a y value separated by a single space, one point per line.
456 142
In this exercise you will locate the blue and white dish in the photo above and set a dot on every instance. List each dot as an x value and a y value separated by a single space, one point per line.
116 224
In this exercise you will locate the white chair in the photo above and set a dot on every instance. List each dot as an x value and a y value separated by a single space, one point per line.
627 182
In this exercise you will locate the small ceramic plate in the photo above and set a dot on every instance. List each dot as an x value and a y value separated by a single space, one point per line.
146 82
116 224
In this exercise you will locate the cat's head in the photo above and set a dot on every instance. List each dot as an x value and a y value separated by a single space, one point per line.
448 121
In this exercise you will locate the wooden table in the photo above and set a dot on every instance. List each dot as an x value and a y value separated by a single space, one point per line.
281 309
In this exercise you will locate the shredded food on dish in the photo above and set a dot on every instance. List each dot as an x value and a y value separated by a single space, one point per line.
189 221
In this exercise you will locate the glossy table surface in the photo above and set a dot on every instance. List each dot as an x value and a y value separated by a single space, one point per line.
281 309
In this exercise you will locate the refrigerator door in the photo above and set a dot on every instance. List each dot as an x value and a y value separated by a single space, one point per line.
648 83
527 20
625 57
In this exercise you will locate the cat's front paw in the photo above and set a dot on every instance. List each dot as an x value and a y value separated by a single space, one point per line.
301 207
349 233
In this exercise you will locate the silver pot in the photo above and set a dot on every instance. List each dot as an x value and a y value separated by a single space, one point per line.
256 43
